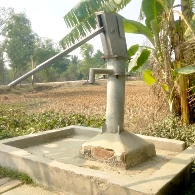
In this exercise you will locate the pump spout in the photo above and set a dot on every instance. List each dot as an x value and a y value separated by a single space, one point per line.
94 71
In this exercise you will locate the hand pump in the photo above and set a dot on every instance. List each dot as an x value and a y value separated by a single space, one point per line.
114 145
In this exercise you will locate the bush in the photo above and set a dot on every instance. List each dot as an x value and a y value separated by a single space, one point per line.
171 128
16 121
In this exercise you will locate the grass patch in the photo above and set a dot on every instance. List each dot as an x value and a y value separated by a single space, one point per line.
6 172
15 121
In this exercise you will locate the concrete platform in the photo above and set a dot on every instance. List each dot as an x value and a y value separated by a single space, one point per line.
52 159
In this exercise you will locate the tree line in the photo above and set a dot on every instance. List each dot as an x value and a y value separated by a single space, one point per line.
21 49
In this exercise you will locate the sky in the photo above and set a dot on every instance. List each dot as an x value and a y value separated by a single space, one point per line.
46 18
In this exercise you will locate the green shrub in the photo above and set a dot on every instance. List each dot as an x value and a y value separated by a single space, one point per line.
171 128
16 121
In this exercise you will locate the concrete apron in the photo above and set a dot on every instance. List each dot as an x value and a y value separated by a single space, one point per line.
44 159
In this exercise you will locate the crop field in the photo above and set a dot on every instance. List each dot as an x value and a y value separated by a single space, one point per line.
141 105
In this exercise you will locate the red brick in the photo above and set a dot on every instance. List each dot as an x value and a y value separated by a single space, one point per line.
101 153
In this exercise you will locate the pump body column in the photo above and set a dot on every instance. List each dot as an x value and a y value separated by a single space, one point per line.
115 51
115 96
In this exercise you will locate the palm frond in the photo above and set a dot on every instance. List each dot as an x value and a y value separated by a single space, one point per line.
79 32
193 5
83 20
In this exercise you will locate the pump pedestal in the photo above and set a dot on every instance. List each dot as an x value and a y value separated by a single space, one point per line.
122 150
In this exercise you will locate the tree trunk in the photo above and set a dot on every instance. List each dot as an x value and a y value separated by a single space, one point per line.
185 112
183 80
33 76
20 76
15 72
174 104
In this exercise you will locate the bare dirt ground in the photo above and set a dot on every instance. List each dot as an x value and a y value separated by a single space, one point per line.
141 106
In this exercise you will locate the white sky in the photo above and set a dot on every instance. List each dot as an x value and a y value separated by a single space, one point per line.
46 17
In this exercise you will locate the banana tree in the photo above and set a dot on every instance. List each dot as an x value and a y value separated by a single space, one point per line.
161 29
170 40
173 42
186 37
